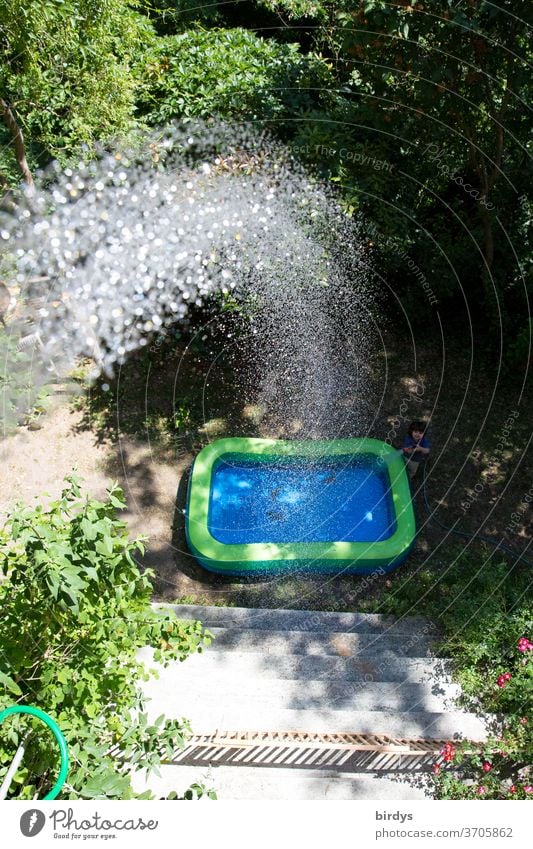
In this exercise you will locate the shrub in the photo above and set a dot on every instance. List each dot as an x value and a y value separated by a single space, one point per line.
226 73
75 610
24 393
485 612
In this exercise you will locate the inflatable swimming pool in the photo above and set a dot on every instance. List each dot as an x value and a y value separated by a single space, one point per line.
259 506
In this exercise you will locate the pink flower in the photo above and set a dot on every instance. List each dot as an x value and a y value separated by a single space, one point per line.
528 788
448 751
524 644
481 790
523 720
486 766
507 676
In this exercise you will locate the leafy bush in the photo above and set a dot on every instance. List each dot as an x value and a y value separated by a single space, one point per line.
75 610
65 70
485 612
24 394
170 16
226 72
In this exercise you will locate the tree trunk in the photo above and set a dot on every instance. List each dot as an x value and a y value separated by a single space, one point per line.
18 141
488 239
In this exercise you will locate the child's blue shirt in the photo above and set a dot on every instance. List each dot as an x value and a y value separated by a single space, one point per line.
417 456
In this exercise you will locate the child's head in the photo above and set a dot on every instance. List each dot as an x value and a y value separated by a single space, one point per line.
416 429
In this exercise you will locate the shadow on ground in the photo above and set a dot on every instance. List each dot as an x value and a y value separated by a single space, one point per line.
165 404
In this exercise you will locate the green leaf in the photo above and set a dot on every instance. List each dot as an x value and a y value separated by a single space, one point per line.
89 529
105 545
9 684
107 783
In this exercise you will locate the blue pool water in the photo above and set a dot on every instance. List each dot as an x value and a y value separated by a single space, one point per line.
333 500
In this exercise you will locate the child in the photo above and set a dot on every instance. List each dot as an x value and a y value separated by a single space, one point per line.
415 447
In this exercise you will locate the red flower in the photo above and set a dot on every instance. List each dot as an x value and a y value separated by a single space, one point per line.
512 788
524 644
448 751
436 769
486 766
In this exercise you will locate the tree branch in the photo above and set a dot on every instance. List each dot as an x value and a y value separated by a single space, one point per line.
18 141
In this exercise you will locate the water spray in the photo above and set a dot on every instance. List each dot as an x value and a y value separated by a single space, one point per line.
117 249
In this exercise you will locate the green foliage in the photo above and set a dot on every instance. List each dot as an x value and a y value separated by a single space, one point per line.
75 610
447 89
65 70
171 16
169 420
24 396
418 114
436 93
295 9
485 612
225 73
183 418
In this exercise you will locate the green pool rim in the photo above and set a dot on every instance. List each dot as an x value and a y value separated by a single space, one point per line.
319 557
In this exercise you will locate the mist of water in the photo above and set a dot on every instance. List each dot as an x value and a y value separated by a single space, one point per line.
110 252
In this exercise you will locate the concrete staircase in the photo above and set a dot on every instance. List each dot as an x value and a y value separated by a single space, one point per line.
319 674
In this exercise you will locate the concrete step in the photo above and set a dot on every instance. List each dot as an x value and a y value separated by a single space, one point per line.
304 620
287 670
216 714
275 783
358 669
188 687
336 643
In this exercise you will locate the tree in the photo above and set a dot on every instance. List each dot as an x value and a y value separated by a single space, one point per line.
437 93
65 73
18 141
452 80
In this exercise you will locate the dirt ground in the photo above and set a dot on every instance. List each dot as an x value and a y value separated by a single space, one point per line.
479 477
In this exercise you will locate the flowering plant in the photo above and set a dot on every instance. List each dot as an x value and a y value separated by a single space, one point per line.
485 614
499 768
